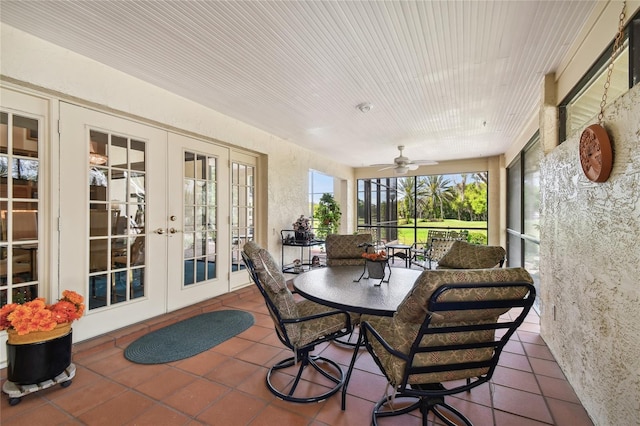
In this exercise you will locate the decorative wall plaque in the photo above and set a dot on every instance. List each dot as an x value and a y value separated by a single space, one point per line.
596 156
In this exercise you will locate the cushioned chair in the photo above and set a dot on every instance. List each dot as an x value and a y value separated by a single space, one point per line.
300 326
442 340
346 249
463 255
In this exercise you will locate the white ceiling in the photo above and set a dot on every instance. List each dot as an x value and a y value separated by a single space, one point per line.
447 79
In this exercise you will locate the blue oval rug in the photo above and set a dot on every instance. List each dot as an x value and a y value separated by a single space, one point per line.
188 338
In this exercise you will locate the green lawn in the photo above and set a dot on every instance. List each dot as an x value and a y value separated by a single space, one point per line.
406 232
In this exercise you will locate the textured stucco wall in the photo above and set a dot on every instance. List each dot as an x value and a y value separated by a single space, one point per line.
590 269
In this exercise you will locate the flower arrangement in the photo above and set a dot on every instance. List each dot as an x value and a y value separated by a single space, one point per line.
302 224
381 255
36 315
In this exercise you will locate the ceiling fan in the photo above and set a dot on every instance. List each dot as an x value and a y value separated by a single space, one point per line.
401 164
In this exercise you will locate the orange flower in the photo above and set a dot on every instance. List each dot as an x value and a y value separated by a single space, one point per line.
36 315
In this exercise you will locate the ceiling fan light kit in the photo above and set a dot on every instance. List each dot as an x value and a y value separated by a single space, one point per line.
401 164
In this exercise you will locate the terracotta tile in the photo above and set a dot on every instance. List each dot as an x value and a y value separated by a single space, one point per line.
262 354
368 386
478 395
45 415
529 337
87 397
202 363
160 415
510 360
538 351
274 415
514 347
558 389
232 346
522 403
138 373
119 410
567 413
227 384
193 398
256 385
546 368
235 408
476 413
516 379
357 412
165 383
110 364
28 403
256 333
508 419
232 372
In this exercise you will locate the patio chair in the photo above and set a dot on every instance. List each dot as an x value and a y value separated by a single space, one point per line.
463 255
300 325
443 340
420 249
347 249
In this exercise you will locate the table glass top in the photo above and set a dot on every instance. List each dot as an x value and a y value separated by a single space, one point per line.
334 286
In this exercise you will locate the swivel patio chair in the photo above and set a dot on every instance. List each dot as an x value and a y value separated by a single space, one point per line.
301 326
442 340
463 255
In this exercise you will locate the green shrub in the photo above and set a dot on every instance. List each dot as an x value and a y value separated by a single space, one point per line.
477 238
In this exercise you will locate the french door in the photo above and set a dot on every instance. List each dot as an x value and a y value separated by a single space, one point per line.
198 220
113 198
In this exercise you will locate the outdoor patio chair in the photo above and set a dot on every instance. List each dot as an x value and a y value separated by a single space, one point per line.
347 249
420 249
463 255
300 325
442 340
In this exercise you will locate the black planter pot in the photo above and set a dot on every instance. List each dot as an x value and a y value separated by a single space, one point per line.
33 363
301 237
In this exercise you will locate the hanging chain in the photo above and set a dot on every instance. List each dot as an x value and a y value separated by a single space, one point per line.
614 52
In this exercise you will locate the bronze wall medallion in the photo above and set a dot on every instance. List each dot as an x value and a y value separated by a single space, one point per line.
596 156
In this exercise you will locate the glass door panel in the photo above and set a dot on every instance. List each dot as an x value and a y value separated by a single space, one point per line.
117 207
198 266
19 208
243 184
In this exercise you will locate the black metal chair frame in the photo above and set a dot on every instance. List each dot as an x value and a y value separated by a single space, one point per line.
430 396
302 355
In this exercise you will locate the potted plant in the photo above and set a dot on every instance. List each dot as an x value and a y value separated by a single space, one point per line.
328 215
39 337
302 229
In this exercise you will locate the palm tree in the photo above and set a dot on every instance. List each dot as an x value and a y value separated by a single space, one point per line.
439 190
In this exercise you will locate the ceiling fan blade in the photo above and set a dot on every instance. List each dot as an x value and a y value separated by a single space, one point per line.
387 167
424 162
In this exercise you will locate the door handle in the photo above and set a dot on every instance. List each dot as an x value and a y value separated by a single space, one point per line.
159 231
173 230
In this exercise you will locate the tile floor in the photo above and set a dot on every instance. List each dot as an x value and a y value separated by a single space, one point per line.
226 384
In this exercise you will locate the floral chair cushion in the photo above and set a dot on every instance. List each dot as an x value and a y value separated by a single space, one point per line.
343 250
402 329
463 255
275 286
314 329
413 307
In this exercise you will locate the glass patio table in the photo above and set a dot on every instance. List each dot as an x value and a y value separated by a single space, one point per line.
336 286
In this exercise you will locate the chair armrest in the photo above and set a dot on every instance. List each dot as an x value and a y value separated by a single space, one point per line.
365 328
320 315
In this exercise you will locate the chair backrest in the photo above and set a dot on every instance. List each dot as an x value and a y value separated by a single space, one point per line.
266 275
463 255
346 249
438 247
449 321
